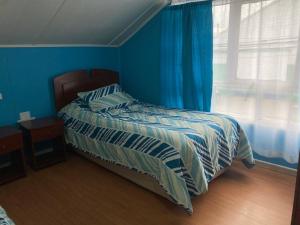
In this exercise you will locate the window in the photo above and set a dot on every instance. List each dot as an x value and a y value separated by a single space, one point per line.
255 54
257 71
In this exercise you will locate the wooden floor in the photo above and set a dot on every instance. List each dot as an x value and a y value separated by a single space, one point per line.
79 192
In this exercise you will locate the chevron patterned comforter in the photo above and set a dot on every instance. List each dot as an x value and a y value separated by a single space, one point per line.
4 219
181 149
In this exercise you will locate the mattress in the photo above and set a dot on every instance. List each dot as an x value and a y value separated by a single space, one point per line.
182 150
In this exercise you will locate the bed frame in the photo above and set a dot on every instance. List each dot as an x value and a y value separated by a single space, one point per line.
67 86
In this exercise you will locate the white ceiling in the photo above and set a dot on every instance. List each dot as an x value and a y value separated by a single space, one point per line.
73 22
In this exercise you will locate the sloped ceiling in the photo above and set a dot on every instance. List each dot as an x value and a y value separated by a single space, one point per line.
73 22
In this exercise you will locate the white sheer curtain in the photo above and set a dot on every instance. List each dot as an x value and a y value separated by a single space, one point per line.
257 71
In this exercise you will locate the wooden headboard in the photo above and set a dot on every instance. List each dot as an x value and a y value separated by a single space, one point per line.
66 86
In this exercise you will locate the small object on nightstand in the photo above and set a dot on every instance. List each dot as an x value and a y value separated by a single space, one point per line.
11 147
44 141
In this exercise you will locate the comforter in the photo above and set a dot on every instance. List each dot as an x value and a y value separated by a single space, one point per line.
4 219
181 149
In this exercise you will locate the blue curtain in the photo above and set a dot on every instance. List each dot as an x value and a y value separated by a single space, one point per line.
186 56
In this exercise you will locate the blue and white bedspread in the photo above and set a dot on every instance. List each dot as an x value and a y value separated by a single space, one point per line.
182 149
4 219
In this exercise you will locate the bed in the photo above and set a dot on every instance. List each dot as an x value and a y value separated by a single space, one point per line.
174 153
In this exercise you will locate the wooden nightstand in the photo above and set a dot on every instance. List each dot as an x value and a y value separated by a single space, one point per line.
44 141
11 147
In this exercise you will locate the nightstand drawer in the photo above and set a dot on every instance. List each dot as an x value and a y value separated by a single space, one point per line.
11 143
46 133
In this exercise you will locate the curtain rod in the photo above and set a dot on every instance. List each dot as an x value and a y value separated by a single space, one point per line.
181 2
215 2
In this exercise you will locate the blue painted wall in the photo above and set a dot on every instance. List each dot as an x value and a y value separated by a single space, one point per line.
277 161
26 75
140 63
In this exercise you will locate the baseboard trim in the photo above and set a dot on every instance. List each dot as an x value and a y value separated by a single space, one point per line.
276 168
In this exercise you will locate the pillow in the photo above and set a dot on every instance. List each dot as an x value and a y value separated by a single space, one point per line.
113 101
99 93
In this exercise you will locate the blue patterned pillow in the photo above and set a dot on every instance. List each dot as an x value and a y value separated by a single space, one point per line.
99 93
113 101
